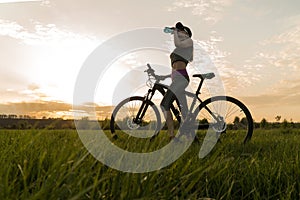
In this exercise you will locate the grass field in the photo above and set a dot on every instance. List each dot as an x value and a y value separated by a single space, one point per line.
44 164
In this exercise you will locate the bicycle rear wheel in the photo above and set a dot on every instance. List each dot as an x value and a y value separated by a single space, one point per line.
228 117
125 119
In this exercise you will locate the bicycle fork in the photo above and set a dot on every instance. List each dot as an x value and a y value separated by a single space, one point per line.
142 110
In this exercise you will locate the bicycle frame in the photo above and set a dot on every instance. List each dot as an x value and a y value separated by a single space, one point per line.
198 108
162 89
148 97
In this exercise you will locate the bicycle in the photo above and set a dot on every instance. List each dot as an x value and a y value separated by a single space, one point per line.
140 117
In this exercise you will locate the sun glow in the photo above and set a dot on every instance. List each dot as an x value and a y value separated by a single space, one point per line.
56 70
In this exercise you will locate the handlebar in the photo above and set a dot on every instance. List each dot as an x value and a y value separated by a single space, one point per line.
151 72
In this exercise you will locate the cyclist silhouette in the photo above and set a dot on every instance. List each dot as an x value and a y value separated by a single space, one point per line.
180 57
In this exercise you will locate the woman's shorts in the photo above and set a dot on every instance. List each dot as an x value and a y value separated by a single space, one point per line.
176 90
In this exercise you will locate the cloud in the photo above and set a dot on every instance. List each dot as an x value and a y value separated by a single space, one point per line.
277 61
32 92
289 91
18 1
54 109
273 100
35 108
211 58
43 34
270 105
211 10
42 2
53 60
286 49
37 104
283 100
33 87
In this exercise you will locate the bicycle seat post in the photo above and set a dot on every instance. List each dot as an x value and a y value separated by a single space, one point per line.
202 77
199 87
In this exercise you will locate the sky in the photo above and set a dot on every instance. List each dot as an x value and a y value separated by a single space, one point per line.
254 44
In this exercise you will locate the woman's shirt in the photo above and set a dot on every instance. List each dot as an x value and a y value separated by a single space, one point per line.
182 54
183 51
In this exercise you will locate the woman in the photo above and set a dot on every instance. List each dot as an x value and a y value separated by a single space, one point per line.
180 57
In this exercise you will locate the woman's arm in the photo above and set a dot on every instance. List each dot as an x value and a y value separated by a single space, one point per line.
182 43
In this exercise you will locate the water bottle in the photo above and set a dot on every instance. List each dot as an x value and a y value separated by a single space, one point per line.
169 30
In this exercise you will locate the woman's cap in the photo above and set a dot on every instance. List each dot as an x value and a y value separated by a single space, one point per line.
181 27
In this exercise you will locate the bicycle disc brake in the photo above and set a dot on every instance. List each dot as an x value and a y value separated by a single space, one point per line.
220 125
131 124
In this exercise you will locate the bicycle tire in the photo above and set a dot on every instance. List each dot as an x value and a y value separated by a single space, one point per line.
152 127
242 121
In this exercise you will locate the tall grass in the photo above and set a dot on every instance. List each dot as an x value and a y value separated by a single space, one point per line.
43 164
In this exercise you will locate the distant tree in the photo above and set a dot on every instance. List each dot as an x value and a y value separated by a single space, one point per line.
203 121
263 123
3 116
292 123
236 120
12 116
244 121
277 118
26 117
285 123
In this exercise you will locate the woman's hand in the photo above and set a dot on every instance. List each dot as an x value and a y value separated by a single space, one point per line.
169 30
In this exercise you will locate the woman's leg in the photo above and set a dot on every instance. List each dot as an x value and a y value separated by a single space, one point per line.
166 103
170 123
176 90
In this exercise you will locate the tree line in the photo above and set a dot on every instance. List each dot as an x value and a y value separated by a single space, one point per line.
13 116
26 122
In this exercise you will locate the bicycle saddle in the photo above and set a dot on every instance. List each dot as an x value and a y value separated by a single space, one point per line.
205 76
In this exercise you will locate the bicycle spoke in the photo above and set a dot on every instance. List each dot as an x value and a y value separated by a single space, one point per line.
125 118
230 116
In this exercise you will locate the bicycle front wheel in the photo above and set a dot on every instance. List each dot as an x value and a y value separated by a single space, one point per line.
136 117
226 116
